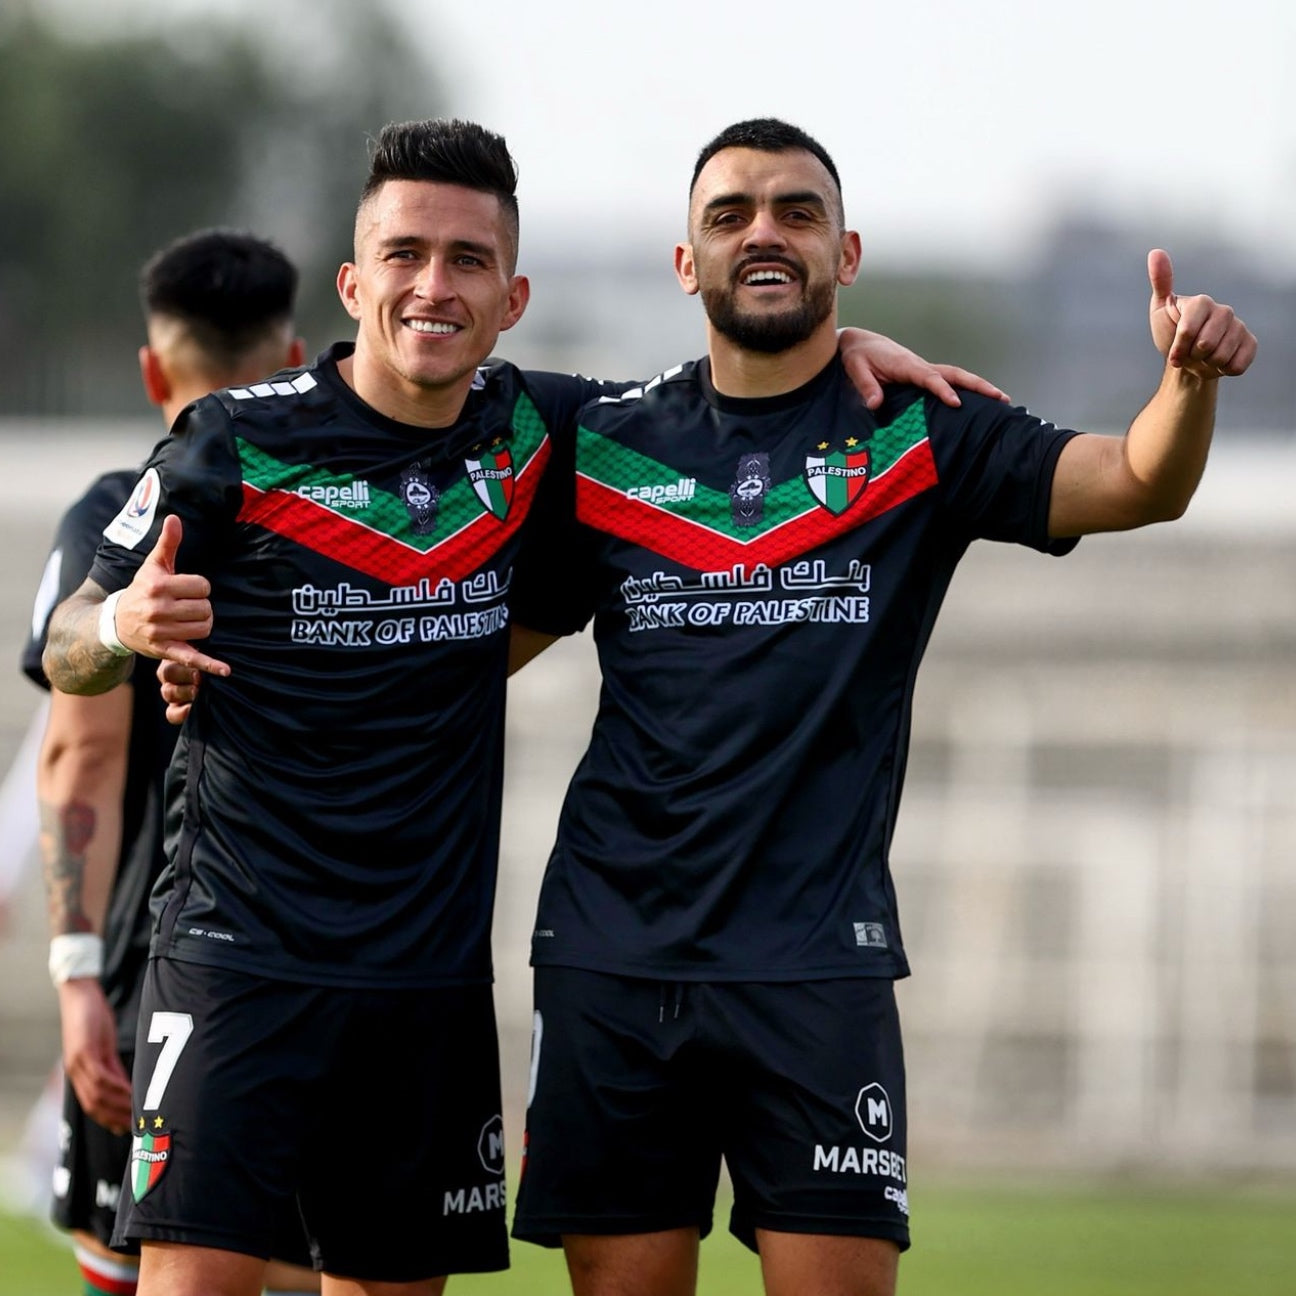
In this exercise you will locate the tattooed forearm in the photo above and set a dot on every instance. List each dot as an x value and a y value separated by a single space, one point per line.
65 834
74 660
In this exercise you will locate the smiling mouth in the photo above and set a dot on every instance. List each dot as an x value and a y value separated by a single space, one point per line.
434 327
757 278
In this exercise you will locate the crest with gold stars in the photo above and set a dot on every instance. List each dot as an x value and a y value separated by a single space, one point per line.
490 469
837 475
150 1154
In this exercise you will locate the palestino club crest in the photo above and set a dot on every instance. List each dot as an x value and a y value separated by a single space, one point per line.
150 1155
837 477
491 472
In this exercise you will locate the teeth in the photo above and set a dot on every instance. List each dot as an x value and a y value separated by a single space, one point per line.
768 276
428 326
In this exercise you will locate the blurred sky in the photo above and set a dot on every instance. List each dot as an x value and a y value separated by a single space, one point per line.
961 130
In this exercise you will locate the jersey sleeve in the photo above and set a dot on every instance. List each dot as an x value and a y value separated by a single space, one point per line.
195 474
561 397
995 463
551 586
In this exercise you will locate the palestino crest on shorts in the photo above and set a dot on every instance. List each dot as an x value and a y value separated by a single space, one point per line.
149 1157
837 477
490 470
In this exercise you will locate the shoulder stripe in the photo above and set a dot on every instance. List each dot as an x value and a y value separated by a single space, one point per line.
299 385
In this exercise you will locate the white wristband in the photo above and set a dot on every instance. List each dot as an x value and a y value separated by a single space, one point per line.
76 954
108 625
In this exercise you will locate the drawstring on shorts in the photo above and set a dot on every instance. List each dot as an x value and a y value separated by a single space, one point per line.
679 1001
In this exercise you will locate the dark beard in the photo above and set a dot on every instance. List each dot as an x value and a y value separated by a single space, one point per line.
768 334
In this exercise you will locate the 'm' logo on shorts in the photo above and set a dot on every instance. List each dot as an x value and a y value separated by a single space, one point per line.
490 1146
873 1111
149 1158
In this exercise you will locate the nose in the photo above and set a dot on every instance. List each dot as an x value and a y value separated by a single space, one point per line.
434 283
764 230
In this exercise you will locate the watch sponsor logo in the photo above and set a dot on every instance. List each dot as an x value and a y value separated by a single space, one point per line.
751 484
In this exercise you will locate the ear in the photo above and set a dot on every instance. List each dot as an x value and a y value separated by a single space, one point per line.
156 385
519 295
349 289
851 256
685 270
296 354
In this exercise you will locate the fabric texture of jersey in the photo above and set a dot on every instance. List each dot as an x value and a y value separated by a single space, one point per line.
333 814
763 577
127 923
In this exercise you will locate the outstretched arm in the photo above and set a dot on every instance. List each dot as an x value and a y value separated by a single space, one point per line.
872 359
157 614
1150 474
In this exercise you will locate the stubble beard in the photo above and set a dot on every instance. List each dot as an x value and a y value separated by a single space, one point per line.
768 332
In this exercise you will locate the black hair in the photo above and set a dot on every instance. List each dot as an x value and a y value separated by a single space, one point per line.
446 150
229 288
765 135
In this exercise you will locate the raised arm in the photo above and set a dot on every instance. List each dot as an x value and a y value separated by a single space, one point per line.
80 781
1114 483
92 634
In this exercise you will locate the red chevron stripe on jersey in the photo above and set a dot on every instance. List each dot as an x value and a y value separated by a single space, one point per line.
381 556
693 545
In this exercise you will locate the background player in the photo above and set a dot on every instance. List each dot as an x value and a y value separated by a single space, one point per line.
218 307
717 937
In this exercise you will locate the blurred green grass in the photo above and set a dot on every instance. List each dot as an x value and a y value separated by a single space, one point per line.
997 1241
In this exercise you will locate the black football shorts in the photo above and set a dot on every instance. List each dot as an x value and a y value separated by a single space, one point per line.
88 1177
375 1112
639 1088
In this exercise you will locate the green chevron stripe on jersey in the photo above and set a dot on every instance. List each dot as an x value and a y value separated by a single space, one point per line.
361 525
698 529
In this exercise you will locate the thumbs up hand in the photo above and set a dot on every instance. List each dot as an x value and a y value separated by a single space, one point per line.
1196 334
161 611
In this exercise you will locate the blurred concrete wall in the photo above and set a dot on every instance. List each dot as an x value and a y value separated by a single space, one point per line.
1095 856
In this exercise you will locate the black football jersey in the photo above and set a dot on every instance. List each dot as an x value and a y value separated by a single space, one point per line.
334 806
763 577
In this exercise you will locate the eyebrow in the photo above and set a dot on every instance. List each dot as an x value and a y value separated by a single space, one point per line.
485 250
798 198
